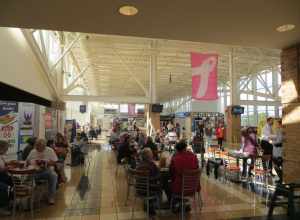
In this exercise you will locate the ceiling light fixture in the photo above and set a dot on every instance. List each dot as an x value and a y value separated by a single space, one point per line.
285 27
128 10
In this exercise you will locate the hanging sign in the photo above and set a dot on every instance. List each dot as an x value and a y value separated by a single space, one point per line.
9 125
82 108
204 76
48 120
131 109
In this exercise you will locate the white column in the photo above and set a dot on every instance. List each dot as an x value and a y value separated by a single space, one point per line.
253 81
153 72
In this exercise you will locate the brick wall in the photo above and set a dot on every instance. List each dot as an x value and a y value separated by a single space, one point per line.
290 68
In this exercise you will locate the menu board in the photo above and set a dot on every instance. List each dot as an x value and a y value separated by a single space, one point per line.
9 125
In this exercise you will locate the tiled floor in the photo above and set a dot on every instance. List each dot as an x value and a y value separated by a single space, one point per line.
103 196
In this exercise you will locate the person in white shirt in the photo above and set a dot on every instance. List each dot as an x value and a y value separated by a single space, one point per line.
41 154
267 139
171 137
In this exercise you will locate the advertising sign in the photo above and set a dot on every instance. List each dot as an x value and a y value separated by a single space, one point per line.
26 122
9 125
48 120
131 109
204 76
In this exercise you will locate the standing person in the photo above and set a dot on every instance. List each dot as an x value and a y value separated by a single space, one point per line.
170 126
220 136
208 135
277 151
200 128
198 146
183 134
177 130
266 144
250 146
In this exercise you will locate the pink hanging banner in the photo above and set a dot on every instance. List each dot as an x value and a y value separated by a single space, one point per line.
204 76
131 109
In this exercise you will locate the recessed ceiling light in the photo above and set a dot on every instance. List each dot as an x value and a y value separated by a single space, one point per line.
285 27
128 10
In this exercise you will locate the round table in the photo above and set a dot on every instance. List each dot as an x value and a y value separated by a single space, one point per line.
22 171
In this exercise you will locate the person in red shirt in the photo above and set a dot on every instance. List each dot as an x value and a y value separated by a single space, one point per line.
182 160
220 135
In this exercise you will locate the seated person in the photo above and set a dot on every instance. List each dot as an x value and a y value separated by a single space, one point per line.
5 180
150 144
30 145
181 161
45 157
148 164
125 151
61 148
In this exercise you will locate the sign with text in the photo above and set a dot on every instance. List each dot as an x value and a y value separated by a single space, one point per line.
204 76
9 125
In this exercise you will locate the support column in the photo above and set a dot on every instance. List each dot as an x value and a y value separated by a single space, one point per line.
290 69
153 73
233 129
233 122
154 117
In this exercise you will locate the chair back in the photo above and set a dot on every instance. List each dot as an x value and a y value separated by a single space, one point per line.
190 182
23 185
142 182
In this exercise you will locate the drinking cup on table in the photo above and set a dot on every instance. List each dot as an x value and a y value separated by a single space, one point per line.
21 165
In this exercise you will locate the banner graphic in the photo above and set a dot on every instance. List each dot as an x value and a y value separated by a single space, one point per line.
204 76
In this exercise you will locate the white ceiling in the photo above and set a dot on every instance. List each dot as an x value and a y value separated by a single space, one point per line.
235 22
119 65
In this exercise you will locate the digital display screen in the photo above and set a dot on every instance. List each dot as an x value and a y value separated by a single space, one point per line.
237 110
157 108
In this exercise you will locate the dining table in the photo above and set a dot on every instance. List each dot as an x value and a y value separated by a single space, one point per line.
238 155
21 168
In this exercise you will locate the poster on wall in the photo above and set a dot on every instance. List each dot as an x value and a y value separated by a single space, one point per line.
26 122
48 120
204 76
50 123
9 125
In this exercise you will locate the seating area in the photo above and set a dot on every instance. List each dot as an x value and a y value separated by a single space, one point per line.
161 110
